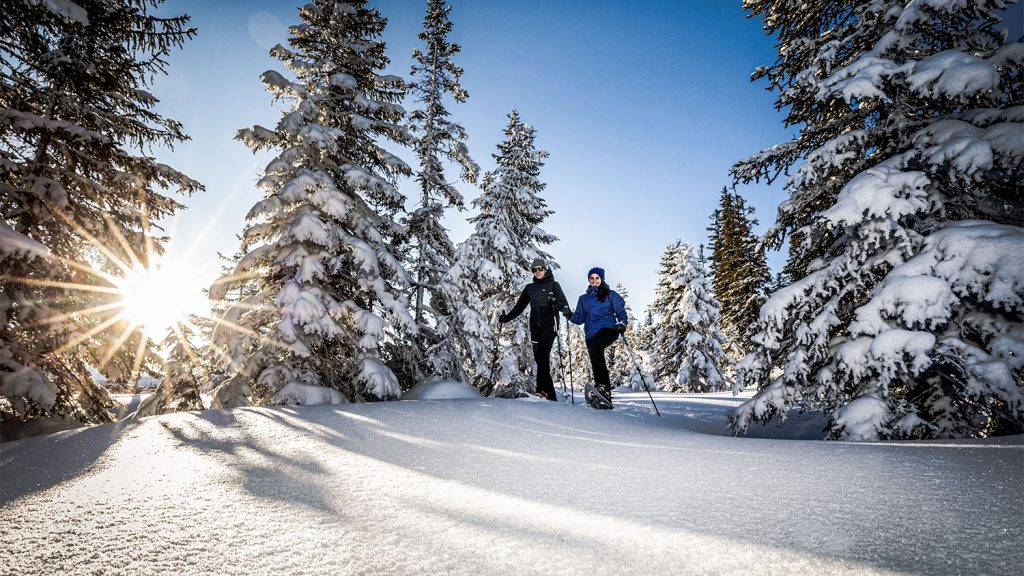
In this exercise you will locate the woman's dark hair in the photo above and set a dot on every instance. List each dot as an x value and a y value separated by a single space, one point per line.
602 291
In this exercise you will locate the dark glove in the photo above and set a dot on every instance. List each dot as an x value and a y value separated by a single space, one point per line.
503 318
566 312
620 328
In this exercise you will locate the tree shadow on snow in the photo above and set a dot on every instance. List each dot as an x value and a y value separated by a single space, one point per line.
266 472
76 453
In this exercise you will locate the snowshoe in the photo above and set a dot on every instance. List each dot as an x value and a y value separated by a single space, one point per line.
597 398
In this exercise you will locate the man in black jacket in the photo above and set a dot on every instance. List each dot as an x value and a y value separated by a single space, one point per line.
545 297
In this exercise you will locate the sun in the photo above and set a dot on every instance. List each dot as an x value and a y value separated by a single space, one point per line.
158 297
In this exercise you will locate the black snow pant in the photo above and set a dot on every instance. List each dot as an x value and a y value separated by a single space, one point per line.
595 349
542 355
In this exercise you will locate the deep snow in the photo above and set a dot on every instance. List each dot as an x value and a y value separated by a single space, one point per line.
487 486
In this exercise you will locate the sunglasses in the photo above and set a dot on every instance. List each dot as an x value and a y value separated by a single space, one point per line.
538 269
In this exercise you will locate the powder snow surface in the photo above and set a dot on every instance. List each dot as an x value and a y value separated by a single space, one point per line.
486 486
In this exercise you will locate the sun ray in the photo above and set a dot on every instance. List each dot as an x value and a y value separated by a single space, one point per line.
58 284
136 264
95 330
91 310
116 345
236 277
140 352
146 238
116 266
86 268
117 261
248 306
186 345
200 238
249 332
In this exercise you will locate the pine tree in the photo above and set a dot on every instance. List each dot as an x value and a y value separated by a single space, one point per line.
435 76
324 288
739 271
78 185
903 318
689 347
490 265
705 359
667 330
179 389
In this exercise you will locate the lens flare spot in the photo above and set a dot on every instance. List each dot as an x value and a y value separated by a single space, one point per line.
157 298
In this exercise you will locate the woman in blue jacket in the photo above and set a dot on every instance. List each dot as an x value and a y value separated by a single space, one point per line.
603 314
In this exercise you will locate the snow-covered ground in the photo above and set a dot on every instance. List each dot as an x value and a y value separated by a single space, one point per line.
486 486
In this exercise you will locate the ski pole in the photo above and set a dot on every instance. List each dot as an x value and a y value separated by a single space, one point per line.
568 349
558 338
641 372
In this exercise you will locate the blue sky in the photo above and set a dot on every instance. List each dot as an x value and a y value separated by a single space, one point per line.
643 107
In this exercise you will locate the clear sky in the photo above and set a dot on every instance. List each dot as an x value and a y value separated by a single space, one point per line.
643 107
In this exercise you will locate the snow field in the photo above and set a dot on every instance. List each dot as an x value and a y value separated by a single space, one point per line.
486 486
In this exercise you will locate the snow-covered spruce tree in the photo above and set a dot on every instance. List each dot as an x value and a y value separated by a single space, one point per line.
179 389
705 358
493 262
739 270
668 330
438 140
908 320
689 346
324 285
77 183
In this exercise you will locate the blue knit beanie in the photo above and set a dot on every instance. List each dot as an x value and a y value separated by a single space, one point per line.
598 271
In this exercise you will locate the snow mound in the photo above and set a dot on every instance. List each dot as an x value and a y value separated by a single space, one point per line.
440 390
295 393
